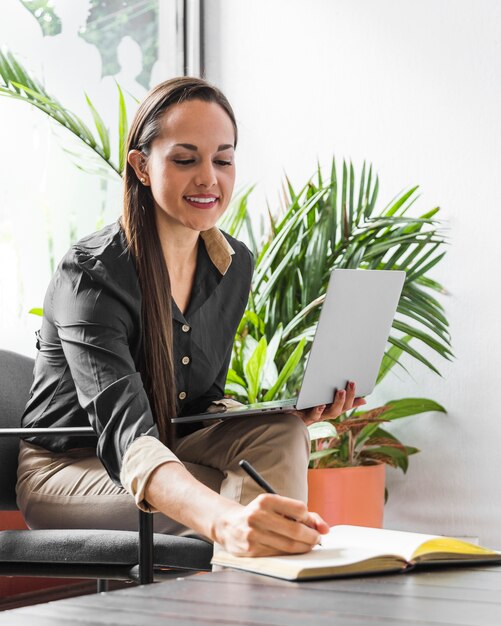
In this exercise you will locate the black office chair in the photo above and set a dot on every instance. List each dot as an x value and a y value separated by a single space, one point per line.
100 554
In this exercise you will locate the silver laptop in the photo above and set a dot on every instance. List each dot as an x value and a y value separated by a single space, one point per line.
349 342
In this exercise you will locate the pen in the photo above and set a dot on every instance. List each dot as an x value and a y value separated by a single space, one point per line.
256 477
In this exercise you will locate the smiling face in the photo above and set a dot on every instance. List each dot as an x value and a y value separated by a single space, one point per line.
190 167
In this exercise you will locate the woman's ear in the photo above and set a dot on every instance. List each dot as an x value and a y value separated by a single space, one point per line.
137 161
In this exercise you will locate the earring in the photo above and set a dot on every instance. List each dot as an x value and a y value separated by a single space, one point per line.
143 180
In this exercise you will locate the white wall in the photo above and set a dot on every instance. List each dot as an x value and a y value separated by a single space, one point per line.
414 87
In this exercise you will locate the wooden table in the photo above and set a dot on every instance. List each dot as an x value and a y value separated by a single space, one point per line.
463 596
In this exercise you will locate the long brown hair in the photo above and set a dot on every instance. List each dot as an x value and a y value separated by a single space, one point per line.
139 225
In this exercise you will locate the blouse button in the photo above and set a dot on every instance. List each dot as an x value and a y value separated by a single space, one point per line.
182 395
185 360
185 328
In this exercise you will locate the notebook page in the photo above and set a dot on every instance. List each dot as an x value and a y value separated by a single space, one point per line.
375 540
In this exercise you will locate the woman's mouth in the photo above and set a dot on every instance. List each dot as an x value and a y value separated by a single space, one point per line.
202 201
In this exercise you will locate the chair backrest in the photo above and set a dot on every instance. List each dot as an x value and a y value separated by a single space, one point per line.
16 377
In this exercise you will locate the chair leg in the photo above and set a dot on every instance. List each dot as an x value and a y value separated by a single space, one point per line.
145 548
102 585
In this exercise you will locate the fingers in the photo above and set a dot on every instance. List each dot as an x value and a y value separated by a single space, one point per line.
320 524
310 416
344 400
336 408
283 505
350 395
270 524
285 540
282 524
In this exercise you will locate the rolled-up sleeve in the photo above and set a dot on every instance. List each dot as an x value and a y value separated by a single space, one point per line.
94 324
143 456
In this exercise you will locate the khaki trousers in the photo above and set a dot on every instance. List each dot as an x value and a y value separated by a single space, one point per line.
73 490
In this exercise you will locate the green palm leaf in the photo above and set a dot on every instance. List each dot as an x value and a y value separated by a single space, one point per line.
101 129
123 128
18 84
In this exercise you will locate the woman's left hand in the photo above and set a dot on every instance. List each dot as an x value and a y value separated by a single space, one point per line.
344 400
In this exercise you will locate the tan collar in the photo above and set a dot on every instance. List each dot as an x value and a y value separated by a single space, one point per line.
218 249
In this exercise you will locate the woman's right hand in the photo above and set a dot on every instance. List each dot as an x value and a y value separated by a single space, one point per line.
269 525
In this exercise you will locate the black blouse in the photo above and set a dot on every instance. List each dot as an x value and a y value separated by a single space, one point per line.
89 345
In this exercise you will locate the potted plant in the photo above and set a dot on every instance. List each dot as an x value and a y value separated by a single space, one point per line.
328 224
346 478
332 224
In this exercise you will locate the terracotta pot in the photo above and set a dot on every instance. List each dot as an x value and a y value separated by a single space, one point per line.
348 495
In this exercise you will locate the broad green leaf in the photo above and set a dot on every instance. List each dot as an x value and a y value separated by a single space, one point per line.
321 430
36 311
275 343
396 457
236 390
233 377
370 434
286 372
250 317
320 454
270 374
411 406
254 370
248 348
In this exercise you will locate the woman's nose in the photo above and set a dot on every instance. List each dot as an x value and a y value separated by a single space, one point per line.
206 175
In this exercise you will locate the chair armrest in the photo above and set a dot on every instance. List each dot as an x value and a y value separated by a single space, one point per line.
62 430
145 545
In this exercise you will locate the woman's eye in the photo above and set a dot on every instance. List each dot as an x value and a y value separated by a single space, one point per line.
223 163
184 161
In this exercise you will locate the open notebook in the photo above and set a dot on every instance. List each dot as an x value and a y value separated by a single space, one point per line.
356 550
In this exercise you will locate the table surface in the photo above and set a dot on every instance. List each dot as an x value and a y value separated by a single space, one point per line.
466 596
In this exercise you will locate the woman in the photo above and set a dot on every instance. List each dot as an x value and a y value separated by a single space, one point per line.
139 321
